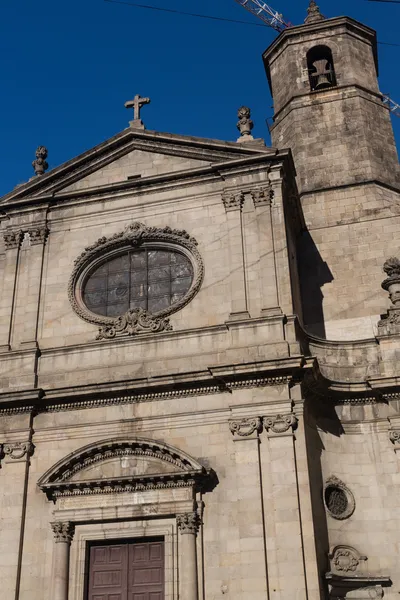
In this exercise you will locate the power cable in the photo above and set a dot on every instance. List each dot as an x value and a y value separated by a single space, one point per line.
214 18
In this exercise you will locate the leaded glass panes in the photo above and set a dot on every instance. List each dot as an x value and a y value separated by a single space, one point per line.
336 500
149 279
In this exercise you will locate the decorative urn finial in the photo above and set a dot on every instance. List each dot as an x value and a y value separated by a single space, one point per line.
40 164
314 14
390 322
245 124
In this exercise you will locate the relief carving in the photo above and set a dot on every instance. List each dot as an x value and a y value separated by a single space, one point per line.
245 427
18 450
38 235
345 559
188 523
63 532
280 423
133 322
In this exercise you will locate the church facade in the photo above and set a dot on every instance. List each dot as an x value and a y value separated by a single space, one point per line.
199 351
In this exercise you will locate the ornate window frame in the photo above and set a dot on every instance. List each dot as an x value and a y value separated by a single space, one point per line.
136 235
335 482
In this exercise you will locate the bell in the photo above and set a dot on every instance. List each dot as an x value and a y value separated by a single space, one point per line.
322 75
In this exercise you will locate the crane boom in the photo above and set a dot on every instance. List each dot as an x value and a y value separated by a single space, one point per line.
392 105
264 12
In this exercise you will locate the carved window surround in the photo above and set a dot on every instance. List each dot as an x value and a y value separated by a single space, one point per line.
136 235
335 482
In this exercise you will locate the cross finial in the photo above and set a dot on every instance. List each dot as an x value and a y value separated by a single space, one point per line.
137 104
314 14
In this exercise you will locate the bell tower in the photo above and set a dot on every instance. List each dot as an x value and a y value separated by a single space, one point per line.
327 104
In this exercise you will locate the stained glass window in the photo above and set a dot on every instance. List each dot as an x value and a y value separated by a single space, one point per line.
149 279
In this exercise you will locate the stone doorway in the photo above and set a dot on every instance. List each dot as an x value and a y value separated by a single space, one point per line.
127 571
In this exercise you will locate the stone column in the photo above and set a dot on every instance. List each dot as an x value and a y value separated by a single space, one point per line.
29 284
12 240
233 201
263 202
63 534
188 525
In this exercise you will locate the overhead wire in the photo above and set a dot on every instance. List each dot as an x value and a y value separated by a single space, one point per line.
215 18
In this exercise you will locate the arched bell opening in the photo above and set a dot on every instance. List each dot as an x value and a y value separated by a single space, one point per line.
321 70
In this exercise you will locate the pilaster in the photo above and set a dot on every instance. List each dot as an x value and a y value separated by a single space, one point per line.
233 200
28 288
12 241
245 429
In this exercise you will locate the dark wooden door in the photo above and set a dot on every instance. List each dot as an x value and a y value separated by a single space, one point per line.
127 571
146 571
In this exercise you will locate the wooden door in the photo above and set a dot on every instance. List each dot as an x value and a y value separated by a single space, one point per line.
146 571
127 571
108 572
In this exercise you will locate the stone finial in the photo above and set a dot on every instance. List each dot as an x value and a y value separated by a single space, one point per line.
40 164
314 14
390 322
245 124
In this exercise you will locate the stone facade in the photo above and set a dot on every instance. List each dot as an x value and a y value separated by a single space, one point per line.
227 423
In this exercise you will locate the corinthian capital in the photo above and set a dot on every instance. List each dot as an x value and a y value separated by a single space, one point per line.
188 522
233 200
63 531
12 239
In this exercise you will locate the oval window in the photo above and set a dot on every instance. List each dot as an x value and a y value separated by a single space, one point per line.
147 278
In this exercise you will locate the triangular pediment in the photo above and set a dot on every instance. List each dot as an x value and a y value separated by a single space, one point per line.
131 154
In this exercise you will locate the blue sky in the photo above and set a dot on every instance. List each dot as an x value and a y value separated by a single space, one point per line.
68 67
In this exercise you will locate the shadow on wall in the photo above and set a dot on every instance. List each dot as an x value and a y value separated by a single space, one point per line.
313 274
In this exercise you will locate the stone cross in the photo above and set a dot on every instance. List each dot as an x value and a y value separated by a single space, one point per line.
137 104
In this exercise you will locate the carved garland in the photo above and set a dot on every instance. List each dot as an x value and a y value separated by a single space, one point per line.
137 320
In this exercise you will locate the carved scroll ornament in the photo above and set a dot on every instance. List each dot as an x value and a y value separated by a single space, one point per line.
134 321
280 423
245 427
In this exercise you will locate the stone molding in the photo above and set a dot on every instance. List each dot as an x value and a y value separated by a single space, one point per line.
280 424
18 451
135 235
245 427
63 531
233 200
188 523
59 481
334 481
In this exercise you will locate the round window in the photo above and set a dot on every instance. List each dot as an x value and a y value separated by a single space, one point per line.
338 499
151 279
132 281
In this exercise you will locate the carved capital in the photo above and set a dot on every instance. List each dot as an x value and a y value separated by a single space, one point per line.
262 196
12 239
38 235
245 427
279 424
394 436
233 200
63 531
18 451
188 523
